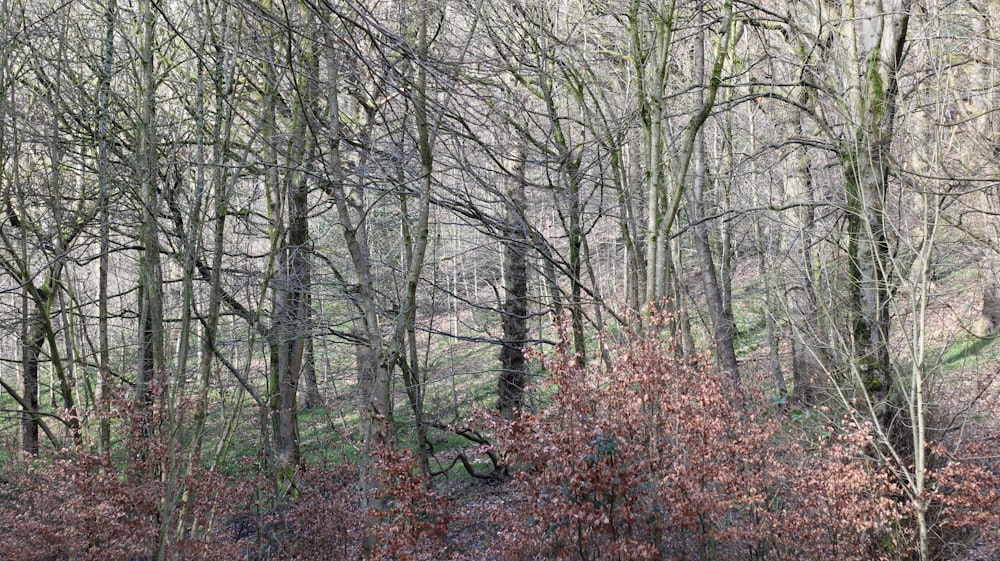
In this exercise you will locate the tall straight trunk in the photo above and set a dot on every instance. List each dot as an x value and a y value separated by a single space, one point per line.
769 242
723 325
666 192
417 235
575 239
513 373
652 84
415 380
374 370
222 81
551 279
773 342
414 376
176 495
381 355
29 353
599 308
293 283
570 214
103 180
879 45
799 286
896 406
311 397
683 321
916 400
809 354
298 249
868 261
292 326
33 338
635 265
152 356
276 208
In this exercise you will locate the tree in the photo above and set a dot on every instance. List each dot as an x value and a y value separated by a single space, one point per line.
880 40
104 212
203 202
39 229
513 376
719 305
289 196
378 353
152 357
893 210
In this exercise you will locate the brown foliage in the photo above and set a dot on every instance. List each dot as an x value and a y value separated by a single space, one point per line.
78 505
651 460
326 521
75 506
415 521
648 460
965 490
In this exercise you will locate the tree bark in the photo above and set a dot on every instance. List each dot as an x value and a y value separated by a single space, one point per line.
517 242
809 354
151 340
293 283
723 324
311 397
33 339
103 180
880 45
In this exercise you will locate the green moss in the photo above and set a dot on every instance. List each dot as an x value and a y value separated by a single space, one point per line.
873 384
871 374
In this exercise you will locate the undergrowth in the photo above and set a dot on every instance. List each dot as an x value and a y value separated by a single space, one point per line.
654 458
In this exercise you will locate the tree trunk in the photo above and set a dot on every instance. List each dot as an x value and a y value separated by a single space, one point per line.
33 339
651 91
513 374
809 354
768 243
634 264
374 365
221 73
723 325
290 329
103 180
292 283
312 397
151 338
866 174
570 211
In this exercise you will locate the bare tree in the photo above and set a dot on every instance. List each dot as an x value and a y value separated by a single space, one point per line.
513 375
152 357
719 305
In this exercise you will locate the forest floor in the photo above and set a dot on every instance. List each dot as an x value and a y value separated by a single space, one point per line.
965 394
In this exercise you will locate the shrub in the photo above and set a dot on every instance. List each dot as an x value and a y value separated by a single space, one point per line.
416 517
77 505
965 495
651 459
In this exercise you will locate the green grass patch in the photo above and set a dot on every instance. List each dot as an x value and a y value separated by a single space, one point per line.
970 350
751 326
